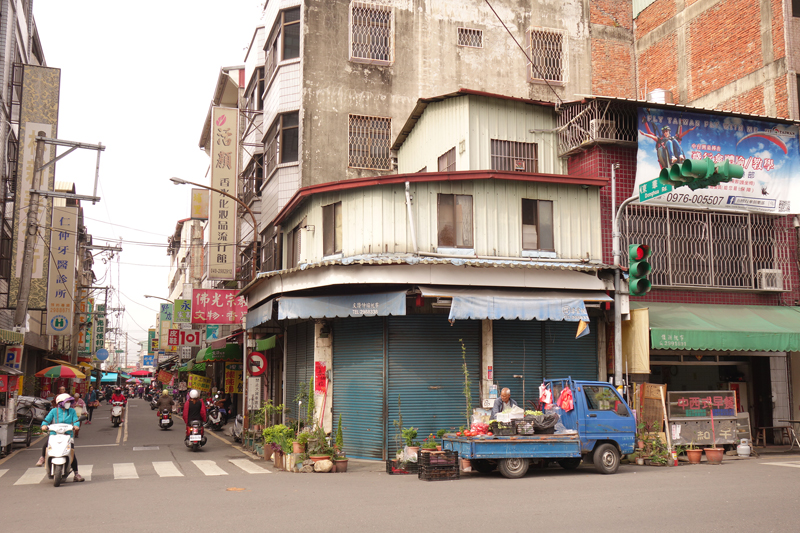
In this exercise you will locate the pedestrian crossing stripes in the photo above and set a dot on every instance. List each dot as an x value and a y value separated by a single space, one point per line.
131 471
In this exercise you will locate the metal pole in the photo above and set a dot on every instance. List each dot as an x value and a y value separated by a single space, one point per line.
617 293
31 231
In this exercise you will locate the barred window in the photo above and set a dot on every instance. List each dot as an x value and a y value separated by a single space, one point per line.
470 38
369 142
371 33
548 55
455 220
710 249
514 156
537 225
447 161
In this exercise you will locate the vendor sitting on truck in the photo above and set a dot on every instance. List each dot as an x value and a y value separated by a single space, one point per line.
503 403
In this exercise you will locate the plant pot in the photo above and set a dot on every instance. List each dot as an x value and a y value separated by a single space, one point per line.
466 465
413 450
277 459
427 450
340 465
267 452
318 458
714 455
640 444
438 447
694 456
298 447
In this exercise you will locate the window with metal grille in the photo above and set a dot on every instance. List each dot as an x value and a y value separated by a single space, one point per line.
710 249
548 55
270 253
537 225
514 156
282 141
447 161
278 49
455 220
371 33
469 37
332 229
369 142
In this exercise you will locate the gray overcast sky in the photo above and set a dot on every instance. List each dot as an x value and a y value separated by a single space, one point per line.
139 77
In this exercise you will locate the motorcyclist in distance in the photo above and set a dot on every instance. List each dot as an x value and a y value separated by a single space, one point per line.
64 414
119 397
164 402
194 409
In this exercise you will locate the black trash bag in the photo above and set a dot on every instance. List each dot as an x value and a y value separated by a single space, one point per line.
544 423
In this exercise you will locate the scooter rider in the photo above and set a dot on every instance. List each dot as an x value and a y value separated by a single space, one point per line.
194 409
64 414
165 402
119 397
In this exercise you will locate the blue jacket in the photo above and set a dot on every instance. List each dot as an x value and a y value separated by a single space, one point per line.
498 407
62 416
91 397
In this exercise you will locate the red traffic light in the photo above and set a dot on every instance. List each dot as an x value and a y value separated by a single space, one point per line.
639 252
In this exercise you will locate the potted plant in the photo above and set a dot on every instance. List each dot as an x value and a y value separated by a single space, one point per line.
429 444
409 438
440 434
714 455
340 463
694 454
318 448
339 446
280 438
299 444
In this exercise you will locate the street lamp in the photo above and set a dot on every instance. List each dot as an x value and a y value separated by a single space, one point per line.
158 297
178 181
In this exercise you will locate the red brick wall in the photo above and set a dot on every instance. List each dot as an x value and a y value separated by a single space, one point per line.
615 13
597 162
653 16
782 96
750 102
658 67
778 41
612 65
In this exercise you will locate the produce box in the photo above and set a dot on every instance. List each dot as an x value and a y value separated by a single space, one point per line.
439 473
441 458
397 467
503 428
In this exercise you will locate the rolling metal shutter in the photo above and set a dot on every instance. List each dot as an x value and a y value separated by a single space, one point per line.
518 352
359 385
299 364
567 356
425 371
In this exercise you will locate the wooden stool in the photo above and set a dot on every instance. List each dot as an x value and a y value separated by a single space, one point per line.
762 434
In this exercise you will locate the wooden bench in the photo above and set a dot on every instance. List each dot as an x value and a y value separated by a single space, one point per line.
762 434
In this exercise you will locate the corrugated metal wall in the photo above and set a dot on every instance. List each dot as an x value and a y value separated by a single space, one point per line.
299 364
374 220
442 126
564 355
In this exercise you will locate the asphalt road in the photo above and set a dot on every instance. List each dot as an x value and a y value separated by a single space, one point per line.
171 488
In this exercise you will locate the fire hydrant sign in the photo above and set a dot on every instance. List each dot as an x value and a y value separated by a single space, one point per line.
256 363
182 337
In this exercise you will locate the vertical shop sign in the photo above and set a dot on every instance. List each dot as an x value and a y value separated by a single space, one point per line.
165 323
152 342
200 204
61 273
99 328
183 312
222 209
14 357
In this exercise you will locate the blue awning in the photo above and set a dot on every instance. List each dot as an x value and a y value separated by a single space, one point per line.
259 315
382 304
480 304
111 377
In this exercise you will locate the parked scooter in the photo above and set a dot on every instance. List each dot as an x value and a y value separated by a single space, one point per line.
196 437
153 402
238 427
116 413
148 397
165 419
59 453
215 421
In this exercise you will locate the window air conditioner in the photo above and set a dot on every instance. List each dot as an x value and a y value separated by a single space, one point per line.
602 129
770 279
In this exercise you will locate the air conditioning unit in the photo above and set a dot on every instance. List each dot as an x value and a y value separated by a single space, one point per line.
602 129
770 279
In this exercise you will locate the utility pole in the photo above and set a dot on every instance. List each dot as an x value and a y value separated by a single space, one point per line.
31 232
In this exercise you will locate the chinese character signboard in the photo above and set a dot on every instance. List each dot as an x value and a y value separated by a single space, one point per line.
99 327
217 306
201 383
767 151
691 414
183 312
200 204
61 274
89 337
222 209
181 337
164 376
13 357
149 360
233 378
165 324
152 342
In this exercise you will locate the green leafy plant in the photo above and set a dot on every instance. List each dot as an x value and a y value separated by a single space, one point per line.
280 437
660 453
467 383
302 437
318 442
441 433
311 404
398 424
266 415
409 436
429 443
339 436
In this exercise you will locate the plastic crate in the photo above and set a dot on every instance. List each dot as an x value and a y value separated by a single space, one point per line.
396 467
503 428
524 427
440 473
439 458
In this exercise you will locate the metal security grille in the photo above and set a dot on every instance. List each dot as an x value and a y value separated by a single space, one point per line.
583 124
547 55
708 249
370 142
514 156
469 37
371 32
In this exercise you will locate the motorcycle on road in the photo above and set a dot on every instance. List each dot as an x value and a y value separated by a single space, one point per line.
165 419
59 453
196 436
116 413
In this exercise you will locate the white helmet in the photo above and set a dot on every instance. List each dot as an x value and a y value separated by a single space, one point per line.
194 394
61 398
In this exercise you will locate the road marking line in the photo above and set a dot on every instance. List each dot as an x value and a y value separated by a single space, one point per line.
166 469
144 448
210 468
125 439
2 472
125 471
15 452
792 464
32 476
248 466
95 445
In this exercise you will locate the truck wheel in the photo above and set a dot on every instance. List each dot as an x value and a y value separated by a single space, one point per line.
570 464
606 459
483 466
514 468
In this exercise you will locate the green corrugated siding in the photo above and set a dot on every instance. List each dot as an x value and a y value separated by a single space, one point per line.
567 356
359 385
425 370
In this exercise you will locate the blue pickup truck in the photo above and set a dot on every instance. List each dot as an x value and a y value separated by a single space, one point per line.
602 429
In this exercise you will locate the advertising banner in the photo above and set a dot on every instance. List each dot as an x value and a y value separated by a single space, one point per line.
165 324
152 342
99 327
13 357
61 273
201 383
88 347
218 306
183 311
200 204
233 378
222 209
769 153
164 376
212 333
149 360
181 337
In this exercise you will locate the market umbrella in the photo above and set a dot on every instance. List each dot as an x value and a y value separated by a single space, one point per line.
134 380
60 371
141 373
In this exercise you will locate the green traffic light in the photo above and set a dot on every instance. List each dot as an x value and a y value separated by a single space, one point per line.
638 269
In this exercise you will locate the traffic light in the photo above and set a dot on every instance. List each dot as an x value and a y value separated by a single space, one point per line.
638 269
700 173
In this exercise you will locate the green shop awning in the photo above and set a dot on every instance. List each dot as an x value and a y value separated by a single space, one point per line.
265 344
231 352
723 327
11 337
